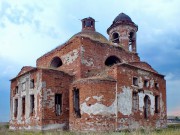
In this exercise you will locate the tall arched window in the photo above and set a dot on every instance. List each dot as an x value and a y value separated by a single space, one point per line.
56 62
111 60
147 103
115 38
131 40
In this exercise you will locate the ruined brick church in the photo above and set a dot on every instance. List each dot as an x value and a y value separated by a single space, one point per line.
90 83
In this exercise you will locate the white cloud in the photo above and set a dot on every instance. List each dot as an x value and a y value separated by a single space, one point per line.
29 29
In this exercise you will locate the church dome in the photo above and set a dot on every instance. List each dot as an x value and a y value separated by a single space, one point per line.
88 30
92 35
122 17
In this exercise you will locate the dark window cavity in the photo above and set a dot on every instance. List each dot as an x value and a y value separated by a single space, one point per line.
146 83
16 90
115 38
110 61
56 62
135 101
23 106
147 104
32 84
156 86
76 102
156 104
131 41
58 104
135 81
15 107
31 105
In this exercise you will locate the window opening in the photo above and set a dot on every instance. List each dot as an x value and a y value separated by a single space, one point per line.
147 104
76 102
156 86
32 105
32 84
135 81
88 23
56 62
156 104
58 104
16 90
24 86
15 107
135 101
23 105
115 38
110 61
146 83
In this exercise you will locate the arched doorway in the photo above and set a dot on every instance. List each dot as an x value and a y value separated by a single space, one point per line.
147 104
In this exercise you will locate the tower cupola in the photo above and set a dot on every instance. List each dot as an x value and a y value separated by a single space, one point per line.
122 32
88 24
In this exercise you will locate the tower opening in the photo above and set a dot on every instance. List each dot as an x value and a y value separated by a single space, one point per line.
131 43
115 38
111 60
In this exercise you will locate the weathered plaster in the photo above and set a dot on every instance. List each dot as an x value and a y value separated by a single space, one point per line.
144 73
87 62
98 98
97 108
54 126
141 101
70 57
151 83
140 83
27 92
125 101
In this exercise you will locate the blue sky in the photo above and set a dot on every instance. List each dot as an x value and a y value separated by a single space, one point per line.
30 28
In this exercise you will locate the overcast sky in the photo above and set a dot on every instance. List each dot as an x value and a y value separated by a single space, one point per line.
30 28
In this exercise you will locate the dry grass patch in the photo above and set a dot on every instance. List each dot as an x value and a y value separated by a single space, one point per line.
171 130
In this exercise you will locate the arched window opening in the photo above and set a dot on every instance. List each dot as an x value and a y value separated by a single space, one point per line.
131 41
147 103
56 62
115 38
112 60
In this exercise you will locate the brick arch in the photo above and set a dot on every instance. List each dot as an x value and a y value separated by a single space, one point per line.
56 62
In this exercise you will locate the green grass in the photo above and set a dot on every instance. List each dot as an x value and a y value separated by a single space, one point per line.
170 130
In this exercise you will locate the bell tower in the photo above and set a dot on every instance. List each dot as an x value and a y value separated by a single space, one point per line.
122 32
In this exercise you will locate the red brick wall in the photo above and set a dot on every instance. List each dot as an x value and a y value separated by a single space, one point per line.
95 54
72 67
91 93
56 82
